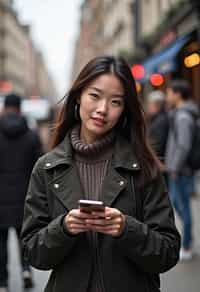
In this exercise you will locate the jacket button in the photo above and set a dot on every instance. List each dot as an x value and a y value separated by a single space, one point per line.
121 183
56 186
48 164
134 165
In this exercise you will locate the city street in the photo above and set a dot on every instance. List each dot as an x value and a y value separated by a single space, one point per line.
183 278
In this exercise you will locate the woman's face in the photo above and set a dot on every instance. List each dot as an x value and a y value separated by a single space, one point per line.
101 105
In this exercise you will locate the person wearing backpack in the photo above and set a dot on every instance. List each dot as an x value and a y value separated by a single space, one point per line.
179 152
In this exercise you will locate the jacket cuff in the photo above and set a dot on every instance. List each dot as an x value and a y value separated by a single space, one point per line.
57 231
65 229
135 231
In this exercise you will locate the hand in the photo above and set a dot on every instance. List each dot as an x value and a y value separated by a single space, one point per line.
75 221
111 222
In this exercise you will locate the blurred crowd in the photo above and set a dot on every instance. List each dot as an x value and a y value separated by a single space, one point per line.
173 128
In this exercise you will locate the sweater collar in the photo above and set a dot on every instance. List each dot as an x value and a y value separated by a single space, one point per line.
90 150
124 156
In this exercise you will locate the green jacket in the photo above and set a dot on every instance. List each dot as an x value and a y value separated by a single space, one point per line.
149 245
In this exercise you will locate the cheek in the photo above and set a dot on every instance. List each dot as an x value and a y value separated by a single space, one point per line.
85 109
115 116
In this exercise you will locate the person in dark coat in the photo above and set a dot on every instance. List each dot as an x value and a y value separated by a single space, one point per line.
100 152
158 122
20 147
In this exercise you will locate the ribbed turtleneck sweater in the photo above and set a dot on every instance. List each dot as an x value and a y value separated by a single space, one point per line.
93 161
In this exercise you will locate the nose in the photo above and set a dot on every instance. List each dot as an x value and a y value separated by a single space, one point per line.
102 107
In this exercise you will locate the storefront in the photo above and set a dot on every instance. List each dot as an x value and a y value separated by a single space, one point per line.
180 59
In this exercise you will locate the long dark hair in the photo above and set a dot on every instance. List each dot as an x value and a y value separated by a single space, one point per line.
135 128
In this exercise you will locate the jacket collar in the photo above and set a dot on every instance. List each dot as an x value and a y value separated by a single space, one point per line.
124 156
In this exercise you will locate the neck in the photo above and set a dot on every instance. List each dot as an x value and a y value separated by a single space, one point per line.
88 138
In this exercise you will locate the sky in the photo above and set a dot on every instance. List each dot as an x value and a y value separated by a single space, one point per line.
54 29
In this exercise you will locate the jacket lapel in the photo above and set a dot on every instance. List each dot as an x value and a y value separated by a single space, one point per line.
65 184
67 188
123 159
113 185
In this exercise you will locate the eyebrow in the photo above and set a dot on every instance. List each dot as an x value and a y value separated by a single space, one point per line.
101 91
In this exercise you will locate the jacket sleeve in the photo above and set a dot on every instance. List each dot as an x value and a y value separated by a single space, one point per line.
45 242
154 243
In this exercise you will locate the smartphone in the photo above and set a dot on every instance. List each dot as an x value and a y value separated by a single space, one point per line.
90 206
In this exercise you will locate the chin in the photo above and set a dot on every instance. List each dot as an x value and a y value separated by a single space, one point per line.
98 131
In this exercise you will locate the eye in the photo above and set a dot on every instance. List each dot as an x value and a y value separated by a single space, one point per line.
94 95
117 102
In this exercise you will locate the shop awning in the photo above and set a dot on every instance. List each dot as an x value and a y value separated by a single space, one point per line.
166 60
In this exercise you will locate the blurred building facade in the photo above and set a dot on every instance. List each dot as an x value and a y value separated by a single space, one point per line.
158 34
103 30
119 27
22 68
90 41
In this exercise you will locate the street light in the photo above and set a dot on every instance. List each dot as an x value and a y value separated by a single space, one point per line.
192 60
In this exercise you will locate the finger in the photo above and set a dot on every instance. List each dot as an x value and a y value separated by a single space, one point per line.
80 215
74 225
103 222
78 230
100 228
112 232
108 213
72 219
112 212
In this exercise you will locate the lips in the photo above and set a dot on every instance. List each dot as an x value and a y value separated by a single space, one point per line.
99 121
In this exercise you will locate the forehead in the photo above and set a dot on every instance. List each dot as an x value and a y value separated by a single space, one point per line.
107 82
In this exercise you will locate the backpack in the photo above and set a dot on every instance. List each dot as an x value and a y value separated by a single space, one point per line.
193 159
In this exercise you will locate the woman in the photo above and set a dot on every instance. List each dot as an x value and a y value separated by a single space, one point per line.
100 152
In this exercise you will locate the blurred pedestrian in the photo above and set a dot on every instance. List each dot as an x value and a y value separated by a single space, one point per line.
100 152
178 148
19 149
158 123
